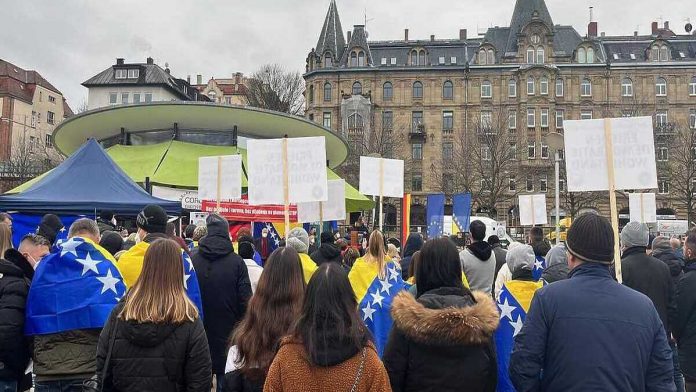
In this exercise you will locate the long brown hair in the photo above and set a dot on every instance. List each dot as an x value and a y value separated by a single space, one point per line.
376 252
272 310
158 296
5 238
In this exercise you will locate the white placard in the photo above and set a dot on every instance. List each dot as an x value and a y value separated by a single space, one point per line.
307 179
230 177
187 197
672 227
634 154
333 209
533 210
392 177
198 218
642 207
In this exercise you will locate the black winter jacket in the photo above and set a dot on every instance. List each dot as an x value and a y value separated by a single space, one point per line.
235 381
674 262
442 342
684 327
414 243
14 348
155 357
326 253
225 290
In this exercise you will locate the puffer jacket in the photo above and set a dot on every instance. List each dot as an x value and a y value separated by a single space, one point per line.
442 342
155 357
65 355
14 347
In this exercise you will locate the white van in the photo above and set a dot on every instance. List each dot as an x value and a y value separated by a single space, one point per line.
492 228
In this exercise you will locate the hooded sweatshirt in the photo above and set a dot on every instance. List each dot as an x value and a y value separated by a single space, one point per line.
414 243
478 264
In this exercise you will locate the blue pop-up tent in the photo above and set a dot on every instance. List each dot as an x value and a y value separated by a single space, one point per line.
84 184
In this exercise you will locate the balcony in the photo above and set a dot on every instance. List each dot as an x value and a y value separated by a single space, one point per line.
664 129
418 134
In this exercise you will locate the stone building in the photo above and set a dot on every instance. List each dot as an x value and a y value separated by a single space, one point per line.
473 113
229 91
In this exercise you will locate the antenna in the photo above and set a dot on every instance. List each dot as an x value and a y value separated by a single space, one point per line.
591 12
365 17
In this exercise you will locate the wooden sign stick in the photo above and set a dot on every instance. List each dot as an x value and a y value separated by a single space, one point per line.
609 145
642 210
286 189
531 202
381 191
219 178
321 221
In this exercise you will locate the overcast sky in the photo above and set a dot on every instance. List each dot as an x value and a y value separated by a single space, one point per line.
69 41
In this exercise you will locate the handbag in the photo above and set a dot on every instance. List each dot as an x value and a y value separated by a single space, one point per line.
360 371
96 383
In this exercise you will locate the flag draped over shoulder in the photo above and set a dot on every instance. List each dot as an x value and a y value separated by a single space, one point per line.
73 288
539 266
375 296
435 215
513 303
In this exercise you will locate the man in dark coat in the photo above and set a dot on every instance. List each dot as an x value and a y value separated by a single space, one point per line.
414 243
499 252
327 251
684 326
663 251
588 332
105 221
225 289
14 348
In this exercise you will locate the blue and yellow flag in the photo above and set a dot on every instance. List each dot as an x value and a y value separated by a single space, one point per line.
73 288
513 303
375 296
539 266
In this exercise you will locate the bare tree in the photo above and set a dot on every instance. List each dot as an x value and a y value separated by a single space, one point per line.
275 88
682 167
83 107
30 157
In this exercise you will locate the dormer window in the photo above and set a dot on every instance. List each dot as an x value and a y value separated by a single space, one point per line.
590 55
530 55
659 52
418 57
586 55
357 88
357 58
133 73
486 56
328 60
121 74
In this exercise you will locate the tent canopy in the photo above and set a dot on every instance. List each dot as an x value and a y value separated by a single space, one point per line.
87 181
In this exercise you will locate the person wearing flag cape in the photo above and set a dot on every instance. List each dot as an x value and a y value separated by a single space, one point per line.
376 280
69 301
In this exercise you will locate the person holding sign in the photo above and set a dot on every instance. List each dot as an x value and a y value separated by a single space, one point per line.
588 332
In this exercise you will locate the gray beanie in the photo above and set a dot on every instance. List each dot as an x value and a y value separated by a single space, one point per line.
520 257
635 234
661 243
298 239
557 255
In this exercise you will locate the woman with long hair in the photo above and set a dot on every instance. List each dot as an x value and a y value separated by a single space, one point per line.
329 348
5 239
376 279
271 313
442 340
158 339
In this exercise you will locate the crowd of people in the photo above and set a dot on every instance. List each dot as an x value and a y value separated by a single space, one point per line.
156 311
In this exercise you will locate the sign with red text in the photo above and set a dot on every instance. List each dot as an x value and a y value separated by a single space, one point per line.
241 210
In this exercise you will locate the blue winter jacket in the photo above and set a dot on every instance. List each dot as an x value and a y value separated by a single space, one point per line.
589 333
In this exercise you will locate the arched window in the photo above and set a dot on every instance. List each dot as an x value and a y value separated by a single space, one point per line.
448 90
664 53
590 55
357 88
582 56
661 87
421 58
387 91
692 86
328 60
544 85
211 95
311 93
353 59
355 121
530 85
530 55
512 88
327 92
482 57
540 58
655 53
417 90
491 56
626 87
361 59
486 89
586 88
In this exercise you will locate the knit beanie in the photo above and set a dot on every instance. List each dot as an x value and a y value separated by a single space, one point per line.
635 234
591 238
111 241
153 219
298 239
246 250
557 255
49 227
327 237
519 258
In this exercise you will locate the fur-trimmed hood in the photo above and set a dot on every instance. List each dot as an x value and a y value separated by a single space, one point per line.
446 316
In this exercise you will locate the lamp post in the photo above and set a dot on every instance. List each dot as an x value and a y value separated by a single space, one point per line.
555 142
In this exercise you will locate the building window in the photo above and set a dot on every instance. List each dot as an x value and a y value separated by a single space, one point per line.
540 55
133 73
512 119
586 88
124 98
544 118
544 85
530 55
544 151
49 140
51 99
559 87
543 184
660 53
33 119
136 97
447 151
113 98
326 121
692 87
387 91
590 55
121 74
392 61
355 122
482 57
486 119
417 151
453 60
582 56
512 152
361 59
531 118
448 90
148 97
441 60
530 184
421 58
662 154
447 121
586 114
560 116
491 56
486 153
512 88
692 119
661 87
530 85
357 88
328 60
561 185
32 143
50 117
311 93
417 121
512 184
663 186
327 92
417 90
661 118
531 150
486 89
416 182
626 87
387 120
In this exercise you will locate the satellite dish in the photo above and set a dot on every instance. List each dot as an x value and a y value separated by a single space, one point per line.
688 27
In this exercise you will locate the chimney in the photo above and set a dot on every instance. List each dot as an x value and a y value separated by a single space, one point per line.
405 34
150 61
666 25
635 33
119 61
603 34
592 30
349 35
188 79
654 28
199 79
237 78
462 34
432 37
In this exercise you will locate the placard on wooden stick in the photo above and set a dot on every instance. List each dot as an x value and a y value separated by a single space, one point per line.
533 210
643 207
220 178
333 209
381 177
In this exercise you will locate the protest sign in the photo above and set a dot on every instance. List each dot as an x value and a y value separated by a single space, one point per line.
220 178
240 210
332 209
198 218
533 210
381 177
642 207
671 228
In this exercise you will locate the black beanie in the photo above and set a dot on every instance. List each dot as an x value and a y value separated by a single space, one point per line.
591 238
153 219
246 250
111 241
327 237
49 227
106 215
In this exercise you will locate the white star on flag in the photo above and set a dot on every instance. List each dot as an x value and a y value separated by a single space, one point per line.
506 309
517 325
89 264
537 264
70 246
385 286
188 261
368 311
109 282
186 278
393 274
377 298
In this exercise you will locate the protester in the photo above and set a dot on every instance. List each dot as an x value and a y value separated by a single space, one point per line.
298 239
5 239
541 247
413 266
198 233
684 326
34 248
49 228
327 251
246 251
159 342
263 246
478 260
171 233
414 243
225 289
662 250
556 264
111 241
359 226
376 281
130 241
588 332
504 275
272 311
330 348
106 221
6 218
513 302
79 277
188 233
351 254
677 247
498 251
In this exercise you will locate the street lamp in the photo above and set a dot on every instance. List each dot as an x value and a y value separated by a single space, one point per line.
555 141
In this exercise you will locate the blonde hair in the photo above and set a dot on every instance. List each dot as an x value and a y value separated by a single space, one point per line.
392 251
158 296
5 238
376 252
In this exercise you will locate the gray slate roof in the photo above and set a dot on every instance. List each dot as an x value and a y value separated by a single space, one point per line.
358 40
331 38
149 75
522 16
